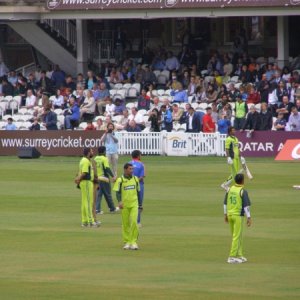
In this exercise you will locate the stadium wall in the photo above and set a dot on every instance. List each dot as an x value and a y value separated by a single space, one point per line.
71 143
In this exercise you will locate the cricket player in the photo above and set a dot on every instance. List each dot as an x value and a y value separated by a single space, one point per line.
139 172
104 173
84 182
236 204
234 158
95 182
127 188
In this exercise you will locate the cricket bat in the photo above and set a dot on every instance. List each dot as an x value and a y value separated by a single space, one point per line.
247 171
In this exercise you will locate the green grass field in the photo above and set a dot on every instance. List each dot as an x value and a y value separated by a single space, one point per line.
184 242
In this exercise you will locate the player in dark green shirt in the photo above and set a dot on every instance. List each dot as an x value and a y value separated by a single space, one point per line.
236 205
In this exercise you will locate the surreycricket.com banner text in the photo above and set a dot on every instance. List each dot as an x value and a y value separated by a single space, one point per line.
49 142
142 4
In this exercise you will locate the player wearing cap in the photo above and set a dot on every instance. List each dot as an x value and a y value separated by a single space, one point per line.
139 172
84 182
236 205
127 188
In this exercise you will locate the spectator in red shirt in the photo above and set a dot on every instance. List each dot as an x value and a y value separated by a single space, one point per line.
208 124
253 96
90 126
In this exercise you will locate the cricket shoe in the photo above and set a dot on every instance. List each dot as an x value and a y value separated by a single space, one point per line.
98 222
94 224
126 247
234 260
84 225
225 187
140 225
243 259
134 247
99 212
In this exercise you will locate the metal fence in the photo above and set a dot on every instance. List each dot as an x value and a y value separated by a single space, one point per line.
155 143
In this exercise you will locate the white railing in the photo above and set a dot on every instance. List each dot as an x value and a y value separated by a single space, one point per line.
150 143
155 143
26 70
63 28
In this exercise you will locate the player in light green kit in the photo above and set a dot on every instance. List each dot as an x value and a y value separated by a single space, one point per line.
84 181
236 204
127 187
234 159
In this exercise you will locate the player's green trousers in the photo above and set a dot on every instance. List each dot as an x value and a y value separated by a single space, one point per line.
234 168
236 227
86 187
130 228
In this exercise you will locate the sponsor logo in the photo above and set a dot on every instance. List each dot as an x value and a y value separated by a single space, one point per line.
129 187
290 151
170 3
52 4
296 152
178 143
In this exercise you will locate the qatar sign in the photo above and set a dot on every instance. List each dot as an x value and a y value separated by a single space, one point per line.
161 4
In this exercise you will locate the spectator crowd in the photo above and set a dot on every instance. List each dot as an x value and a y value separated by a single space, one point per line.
166 92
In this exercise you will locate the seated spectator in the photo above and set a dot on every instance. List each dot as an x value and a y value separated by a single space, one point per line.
148 77
137 118
172 62
7 88
294 119
70 84
192 86
193 123
176 113
232 93
253 96
263 88
143 101
102 95
211 94
223 124
245 75
252 121
72 114
10 125
139 73
12 78
155 104
90 126
166 120
58 101
223 92
119 106
266 119
173 82
80 80
88 106
285 107
30 100
109 107
298 104
115 76
123 122
208 125
67 93
133 127
154 118
35 125
180 95
100 125
225 110
185 80
280 122
49 119
286 74
79 96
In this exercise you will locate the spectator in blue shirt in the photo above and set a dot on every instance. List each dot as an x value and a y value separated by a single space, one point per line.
72 114
180 95
223 124
10 125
